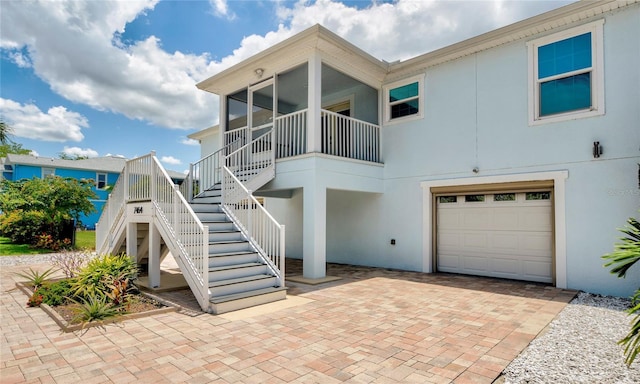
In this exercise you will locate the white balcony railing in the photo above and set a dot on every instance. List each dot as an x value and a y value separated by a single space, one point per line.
348 137
291 134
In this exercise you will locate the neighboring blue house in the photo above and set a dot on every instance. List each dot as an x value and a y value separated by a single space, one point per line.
104 171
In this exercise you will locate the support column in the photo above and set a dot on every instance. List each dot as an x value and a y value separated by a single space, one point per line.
314 136
132 241
154 256
314 235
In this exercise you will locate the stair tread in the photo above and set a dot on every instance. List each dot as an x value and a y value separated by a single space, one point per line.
232 253
237 280
242 295
234 266
228 242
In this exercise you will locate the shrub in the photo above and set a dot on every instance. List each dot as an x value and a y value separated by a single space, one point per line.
95 278
70 262
21 226
46 241
56 293
35 300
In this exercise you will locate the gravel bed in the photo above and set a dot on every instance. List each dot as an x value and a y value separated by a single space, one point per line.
45 258
580 346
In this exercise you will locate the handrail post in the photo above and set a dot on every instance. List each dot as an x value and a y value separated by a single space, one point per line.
283 260
249 213
205 264
190 180
154 178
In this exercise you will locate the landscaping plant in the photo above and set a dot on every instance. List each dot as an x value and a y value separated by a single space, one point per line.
97 277
626 254
55 293
94 308
70 262
35 279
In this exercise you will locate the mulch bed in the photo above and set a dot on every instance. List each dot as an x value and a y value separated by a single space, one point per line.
142 305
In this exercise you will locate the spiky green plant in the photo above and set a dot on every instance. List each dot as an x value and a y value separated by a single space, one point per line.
95 308
626 254
35 279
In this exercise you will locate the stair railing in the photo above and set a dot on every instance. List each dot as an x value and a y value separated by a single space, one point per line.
186 236
111 217
264 233
205 173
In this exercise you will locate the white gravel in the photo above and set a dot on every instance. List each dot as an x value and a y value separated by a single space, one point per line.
579 347
45 258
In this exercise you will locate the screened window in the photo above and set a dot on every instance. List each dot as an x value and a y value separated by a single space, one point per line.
567 75
403 99
101 180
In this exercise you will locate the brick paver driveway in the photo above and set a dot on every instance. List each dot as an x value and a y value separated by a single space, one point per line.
373 326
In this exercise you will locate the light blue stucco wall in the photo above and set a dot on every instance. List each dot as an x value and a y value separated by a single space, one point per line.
476 115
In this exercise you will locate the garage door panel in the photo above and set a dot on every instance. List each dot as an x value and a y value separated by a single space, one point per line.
511 238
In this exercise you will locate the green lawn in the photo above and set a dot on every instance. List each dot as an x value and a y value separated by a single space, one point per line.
84 240
9 249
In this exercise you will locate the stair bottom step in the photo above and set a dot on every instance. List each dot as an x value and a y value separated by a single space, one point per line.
237 301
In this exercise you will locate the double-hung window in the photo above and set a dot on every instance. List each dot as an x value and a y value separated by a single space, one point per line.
404 100
566 75
101 180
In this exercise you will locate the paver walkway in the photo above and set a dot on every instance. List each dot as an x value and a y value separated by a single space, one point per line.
373 326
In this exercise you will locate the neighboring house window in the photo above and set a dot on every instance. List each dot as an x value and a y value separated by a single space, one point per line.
404 100
101 180
48 172
566 75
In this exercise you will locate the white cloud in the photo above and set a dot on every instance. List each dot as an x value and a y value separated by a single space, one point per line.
144 82
170 160
75 48
34 153
57 124
77 151
188 141
220 8
112 155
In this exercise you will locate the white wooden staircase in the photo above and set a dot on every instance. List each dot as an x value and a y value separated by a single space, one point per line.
230 250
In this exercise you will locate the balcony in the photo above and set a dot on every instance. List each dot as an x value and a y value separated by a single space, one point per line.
340 135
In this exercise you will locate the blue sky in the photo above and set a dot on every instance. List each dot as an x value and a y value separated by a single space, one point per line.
100 78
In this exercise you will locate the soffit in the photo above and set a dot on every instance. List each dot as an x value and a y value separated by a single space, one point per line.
294 51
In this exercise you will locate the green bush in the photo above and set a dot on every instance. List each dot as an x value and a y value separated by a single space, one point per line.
56 293
99 276
625 255
22 227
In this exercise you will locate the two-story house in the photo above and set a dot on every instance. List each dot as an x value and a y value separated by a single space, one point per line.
513 154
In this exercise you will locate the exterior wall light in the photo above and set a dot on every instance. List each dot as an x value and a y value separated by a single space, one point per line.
259 72
597 149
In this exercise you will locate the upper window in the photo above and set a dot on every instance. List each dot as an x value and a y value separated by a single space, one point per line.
403 99
48 172
567 75
101 180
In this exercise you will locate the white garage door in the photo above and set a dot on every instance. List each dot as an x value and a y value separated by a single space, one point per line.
506 235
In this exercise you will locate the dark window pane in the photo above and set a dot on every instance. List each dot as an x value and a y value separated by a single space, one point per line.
404 92
565 95
474 198
404 109
448 199
504 197
538 195
564 56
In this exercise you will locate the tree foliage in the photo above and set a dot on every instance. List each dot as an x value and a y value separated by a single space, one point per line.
625 255
34 207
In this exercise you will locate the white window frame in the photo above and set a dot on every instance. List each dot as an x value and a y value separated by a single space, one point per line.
98 180
397 84
597 74
48 172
